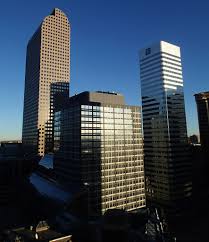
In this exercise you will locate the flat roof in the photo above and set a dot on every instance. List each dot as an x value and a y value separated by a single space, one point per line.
50 189
202 93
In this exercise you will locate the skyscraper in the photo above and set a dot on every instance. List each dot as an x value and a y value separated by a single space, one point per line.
47 63
167 167
201 155
202 100
98 144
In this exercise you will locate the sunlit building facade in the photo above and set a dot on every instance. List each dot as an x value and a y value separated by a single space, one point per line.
167 164
98 145
47 63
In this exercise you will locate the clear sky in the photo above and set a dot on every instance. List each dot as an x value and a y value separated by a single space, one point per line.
106 36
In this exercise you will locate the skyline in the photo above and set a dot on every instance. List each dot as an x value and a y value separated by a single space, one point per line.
91 42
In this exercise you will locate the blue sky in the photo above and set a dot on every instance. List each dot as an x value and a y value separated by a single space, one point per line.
106 38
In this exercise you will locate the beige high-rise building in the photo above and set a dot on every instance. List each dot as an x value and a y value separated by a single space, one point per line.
47 71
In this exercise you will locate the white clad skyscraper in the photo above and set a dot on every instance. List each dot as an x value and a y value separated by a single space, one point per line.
47 72
167 167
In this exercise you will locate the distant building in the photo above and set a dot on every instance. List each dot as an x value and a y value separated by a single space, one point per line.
200 174
11 148
202 100
98 144
47 71
167 167
12 168
41 232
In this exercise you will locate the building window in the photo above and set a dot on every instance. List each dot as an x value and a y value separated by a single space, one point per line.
148 51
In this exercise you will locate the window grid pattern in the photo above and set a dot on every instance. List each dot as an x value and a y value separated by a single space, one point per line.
47 62
108 157
167 166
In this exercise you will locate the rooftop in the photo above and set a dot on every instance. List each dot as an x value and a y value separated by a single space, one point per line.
202 95
50 189
47 161
41 232
103 97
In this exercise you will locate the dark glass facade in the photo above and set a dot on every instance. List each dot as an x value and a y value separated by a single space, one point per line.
61 90
202 100
167 163
99 145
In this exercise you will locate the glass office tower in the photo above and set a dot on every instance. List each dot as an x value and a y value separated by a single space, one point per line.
167 165
47 62
98 144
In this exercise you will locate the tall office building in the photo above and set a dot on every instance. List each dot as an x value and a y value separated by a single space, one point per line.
167 167
47 69
98 144
202 100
